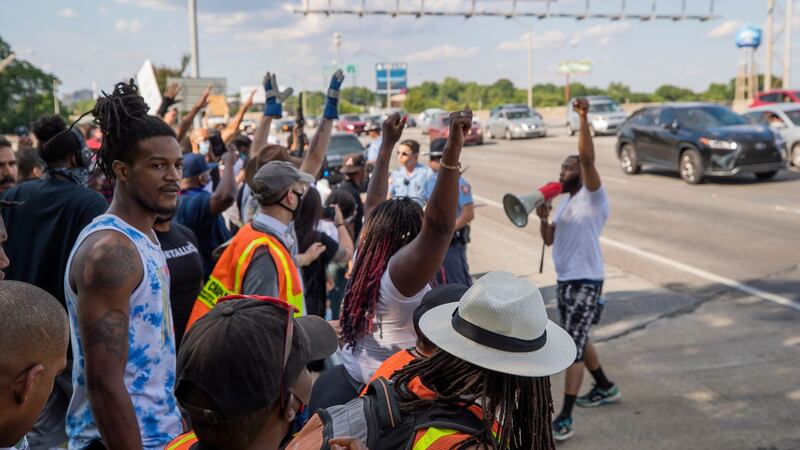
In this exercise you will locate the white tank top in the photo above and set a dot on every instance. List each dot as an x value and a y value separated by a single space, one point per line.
150 370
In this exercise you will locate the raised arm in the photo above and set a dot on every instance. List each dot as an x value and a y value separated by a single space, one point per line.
591 179
188 119
313 161
225 195
105 272
414 265
273 108
233 126
168 99
378 188
345 241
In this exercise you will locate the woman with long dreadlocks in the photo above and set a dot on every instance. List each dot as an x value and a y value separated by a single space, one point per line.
117 288
399 252
487 387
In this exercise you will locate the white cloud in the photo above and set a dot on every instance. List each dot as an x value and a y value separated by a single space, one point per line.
69 13
103 9
442 52
222 22
599 31
155 5
132 26
604 41
550 39
726 28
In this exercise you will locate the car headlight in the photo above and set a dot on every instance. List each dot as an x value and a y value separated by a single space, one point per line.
524 126
718 144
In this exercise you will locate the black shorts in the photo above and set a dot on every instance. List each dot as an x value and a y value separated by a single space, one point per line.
578 306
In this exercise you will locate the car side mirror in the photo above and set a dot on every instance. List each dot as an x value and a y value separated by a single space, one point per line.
673 126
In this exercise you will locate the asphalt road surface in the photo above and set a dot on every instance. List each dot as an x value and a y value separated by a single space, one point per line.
703 285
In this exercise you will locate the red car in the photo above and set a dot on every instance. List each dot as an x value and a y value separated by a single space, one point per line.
440 128
351 123
776 96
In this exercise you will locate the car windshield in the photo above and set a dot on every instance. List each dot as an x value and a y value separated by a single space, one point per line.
794 116
518 114
350 117
344 144
445 120
603 107
371 118
703 117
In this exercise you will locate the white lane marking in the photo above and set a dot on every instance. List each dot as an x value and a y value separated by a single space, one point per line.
785 209
617 180
700 273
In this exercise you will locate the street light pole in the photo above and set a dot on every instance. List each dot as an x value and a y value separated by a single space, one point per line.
530 67
56 106
787 44
193 38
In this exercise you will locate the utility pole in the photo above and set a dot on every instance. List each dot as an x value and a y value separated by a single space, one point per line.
530 67
768 50
193 38
7 60
388 86
337 43
56 106
787 44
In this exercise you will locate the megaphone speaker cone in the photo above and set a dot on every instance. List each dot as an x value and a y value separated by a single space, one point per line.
515 210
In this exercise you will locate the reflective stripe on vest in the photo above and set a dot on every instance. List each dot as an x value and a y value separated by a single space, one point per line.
228 275
182 442
431 436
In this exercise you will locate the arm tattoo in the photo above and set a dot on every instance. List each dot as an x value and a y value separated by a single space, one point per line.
111 266
111 331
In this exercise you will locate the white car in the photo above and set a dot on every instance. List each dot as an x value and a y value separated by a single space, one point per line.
515 123
605 116
424 118
784 119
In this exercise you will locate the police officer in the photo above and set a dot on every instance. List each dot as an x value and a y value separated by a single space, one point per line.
456 269
411 178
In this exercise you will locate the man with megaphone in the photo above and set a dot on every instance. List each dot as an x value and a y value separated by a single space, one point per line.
575 236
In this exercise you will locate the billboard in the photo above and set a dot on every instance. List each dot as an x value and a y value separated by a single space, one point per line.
193 88
573 67
397 73
748 36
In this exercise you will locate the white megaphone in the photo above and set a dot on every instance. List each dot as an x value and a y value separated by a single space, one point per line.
518 208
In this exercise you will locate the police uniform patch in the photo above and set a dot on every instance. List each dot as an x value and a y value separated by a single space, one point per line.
465 188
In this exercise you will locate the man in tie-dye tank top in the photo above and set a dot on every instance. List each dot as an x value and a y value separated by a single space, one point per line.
117 289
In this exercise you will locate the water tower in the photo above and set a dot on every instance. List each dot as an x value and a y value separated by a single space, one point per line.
748 38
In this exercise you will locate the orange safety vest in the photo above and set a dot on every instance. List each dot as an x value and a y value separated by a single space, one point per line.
390 366
228 275
182 442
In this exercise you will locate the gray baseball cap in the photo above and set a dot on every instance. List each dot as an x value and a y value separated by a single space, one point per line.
273 180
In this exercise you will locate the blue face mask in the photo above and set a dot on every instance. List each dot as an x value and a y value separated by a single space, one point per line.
300 420
204 147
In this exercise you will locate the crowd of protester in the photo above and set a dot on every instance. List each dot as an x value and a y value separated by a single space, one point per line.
169 294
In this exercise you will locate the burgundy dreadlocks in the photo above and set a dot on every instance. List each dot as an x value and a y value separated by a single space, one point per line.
393 224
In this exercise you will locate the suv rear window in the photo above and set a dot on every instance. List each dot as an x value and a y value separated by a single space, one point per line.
344 144
603 107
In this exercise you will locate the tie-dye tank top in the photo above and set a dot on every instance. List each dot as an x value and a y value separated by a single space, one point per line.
150 369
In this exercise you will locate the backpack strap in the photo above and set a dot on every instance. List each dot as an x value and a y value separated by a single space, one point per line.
385 402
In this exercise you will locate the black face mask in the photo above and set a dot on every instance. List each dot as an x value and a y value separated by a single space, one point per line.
296 211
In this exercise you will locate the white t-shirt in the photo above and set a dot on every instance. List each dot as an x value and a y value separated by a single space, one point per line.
393 330
579 220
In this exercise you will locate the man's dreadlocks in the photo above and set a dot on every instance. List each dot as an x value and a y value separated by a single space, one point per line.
393 224
522 406
122 117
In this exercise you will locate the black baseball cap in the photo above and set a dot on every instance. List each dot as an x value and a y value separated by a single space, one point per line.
437 148
234 355
440 295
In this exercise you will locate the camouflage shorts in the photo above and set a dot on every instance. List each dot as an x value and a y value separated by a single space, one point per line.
579 308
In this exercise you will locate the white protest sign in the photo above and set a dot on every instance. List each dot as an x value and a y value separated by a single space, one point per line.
148 87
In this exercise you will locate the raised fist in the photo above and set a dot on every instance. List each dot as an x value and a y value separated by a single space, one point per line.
581 106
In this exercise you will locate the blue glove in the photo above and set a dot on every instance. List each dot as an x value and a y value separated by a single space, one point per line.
275 98
332 103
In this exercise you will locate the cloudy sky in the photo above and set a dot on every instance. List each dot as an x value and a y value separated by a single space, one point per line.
102 41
